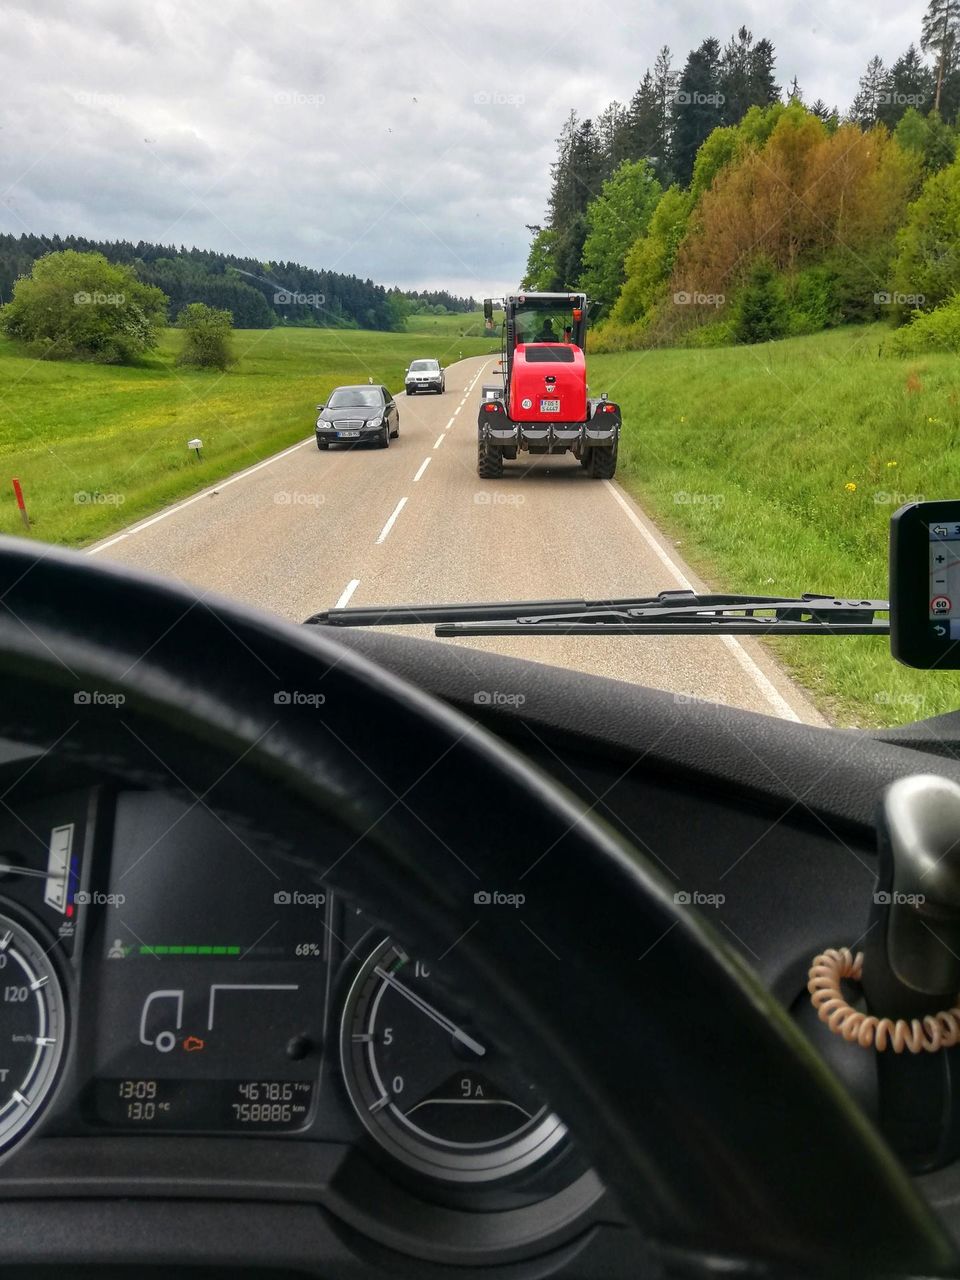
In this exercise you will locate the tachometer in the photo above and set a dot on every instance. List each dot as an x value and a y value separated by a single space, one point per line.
432 1091
32 1028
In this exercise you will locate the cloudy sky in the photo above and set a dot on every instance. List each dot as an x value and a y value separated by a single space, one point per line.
408 142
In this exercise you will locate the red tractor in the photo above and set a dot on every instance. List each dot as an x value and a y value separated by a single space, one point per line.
541 404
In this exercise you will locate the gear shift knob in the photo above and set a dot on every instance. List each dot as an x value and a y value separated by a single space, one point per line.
912 950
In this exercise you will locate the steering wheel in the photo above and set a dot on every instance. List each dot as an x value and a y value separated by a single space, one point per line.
709 1116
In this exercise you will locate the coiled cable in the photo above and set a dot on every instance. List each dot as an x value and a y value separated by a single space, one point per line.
920 1035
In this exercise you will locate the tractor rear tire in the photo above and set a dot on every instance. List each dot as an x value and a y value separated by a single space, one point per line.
602 463
489 462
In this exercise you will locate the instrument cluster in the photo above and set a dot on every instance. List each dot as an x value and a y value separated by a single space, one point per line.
159 976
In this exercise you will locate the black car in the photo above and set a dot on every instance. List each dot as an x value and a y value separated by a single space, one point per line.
356 414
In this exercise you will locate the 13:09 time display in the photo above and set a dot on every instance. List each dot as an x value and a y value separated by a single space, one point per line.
204 1104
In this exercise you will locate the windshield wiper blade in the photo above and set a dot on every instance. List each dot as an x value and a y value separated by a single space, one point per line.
402 615
676 612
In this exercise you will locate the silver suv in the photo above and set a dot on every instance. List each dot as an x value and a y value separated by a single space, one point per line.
424 375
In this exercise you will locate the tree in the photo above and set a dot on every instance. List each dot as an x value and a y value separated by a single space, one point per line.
696 106
717 152
650 259
80 306
939 35
613 137
928 137
643 121
928 264
874 89
619 214
568 253
735 77
760 313
577 178
764 89
664 85
910 85
206 337
541 272
829 116
800 195
746 76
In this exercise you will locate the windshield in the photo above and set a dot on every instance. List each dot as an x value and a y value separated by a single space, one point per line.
208 238
550 323
355 397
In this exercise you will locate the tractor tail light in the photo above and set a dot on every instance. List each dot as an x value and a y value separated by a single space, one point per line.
608 408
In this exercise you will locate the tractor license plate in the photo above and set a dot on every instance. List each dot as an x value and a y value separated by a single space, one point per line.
549 406
347 435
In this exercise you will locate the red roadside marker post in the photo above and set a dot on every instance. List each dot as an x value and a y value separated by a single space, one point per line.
18 491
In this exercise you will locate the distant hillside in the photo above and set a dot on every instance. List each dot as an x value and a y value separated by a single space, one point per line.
258 294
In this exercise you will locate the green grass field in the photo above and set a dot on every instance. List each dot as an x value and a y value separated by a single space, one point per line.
776 469
98 447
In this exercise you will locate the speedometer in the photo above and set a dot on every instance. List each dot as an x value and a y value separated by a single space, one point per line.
433 1091
32 1028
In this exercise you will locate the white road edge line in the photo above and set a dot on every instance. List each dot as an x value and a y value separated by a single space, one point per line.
385 531
770 692
204 493
440 439
346 593
423 466
103 545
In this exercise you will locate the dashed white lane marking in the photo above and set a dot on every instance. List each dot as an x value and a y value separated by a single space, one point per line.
346 593
204 493
773 696
385 531
440 439
242 475
423 466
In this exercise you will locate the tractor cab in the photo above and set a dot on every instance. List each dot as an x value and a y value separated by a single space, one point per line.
536 318
543 406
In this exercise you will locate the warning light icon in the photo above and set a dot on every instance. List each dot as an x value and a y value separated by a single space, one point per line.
193 1044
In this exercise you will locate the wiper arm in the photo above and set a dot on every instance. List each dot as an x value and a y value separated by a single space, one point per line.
676 612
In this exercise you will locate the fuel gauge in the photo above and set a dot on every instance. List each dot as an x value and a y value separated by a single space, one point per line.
432 1090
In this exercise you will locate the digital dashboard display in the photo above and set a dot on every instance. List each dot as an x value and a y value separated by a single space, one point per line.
945 577
213 968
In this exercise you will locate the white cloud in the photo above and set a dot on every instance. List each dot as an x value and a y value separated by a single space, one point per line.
408 144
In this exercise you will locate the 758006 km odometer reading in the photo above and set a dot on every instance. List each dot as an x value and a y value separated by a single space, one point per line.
221 1105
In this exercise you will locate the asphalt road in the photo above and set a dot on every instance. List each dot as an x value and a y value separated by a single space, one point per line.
307 530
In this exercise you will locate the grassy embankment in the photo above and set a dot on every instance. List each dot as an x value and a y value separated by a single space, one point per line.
776 469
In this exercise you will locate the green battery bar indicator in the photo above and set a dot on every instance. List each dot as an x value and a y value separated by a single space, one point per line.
189 951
